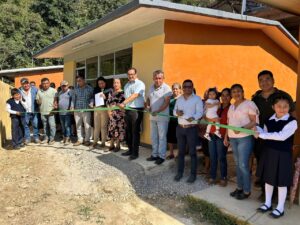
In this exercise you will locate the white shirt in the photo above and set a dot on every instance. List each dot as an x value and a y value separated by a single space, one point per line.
287 131
191 107
8 107
28 100
211 112
157 97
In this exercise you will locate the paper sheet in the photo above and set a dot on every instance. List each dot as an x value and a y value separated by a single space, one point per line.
99 101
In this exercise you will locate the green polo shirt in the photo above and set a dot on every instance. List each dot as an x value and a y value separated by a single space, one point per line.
47 100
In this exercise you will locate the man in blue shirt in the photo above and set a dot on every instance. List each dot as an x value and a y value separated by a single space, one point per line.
134 98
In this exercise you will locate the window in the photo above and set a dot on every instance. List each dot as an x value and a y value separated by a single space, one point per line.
113 65
92 68
107 65
80 68
123 61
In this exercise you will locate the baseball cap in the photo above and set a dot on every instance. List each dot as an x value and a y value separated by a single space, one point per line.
64 82
24 80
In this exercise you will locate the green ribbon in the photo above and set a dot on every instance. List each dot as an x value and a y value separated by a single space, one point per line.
240 129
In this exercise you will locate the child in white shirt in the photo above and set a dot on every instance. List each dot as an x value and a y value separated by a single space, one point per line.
212 105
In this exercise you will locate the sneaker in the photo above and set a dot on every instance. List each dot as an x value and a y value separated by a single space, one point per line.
191 179
223 182
22 145
133 157
235 192
63 141
52 142
159 161
44 141
86 143
243 195
178 177
68 141
127 153
206 135
17 148
211 181
37 141
77 143
27 142
152 158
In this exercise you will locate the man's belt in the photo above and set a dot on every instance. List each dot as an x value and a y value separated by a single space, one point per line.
187 125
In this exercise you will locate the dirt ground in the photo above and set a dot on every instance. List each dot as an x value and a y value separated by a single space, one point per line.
40 186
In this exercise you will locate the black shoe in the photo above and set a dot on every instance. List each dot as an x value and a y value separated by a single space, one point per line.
264 208
275 216
133 157
116 149
191 179
152 158
178 177
235 192
127 153
159 161
243 195
17 148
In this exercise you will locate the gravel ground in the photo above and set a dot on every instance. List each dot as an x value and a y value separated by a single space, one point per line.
160 184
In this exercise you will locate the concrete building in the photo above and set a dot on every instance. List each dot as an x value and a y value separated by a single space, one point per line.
211 47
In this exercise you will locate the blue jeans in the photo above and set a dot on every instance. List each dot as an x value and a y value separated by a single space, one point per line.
65 121
187 137
217 154
159 131
242 149
49 126
31 118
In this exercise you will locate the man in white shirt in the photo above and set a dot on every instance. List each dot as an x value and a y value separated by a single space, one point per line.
158 101
28 94
189 109
134 98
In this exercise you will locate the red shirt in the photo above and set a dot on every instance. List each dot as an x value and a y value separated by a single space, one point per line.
222 112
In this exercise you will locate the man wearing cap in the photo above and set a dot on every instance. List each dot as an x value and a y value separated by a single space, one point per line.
29 99
64 103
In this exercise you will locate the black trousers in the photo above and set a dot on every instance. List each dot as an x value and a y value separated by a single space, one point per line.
133 121
187 137
17 130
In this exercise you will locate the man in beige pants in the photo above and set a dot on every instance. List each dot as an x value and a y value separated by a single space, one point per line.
100 116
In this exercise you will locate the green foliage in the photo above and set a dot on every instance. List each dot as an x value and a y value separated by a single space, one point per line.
27 26
208 212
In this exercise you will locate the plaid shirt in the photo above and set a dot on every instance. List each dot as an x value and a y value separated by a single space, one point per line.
82 97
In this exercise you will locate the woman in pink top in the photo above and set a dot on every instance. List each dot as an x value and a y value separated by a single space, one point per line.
242 113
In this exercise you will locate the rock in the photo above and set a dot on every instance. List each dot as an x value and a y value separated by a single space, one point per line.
10 215
24 186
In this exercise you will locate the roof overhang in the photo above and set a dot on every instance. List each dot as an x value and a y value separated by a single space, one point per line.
13 72
291 6
140 13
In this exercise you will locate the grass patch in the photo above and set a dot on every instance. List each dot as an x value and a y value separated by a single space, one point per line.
204 211
85 212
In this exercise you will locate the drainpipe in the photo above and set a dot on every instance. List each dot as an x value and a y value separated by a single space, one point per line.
244 4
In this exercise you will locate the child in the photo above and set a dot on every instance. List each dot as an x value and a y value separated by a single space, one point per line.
16 109
211 107
275 166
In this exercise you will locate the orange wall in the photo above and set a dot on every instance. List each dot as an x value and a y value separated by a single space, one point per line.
55 76
221 56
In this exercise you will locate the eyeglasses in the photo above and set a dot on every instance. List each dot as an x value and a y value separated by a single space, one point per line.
187 86
130 74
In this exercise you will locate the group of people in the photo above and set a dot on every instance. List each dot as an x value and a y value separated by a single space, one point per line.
175 113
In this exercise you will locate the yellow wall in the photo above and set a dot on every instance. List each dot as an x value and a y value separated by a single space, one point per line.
69 72
147 57
5 122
